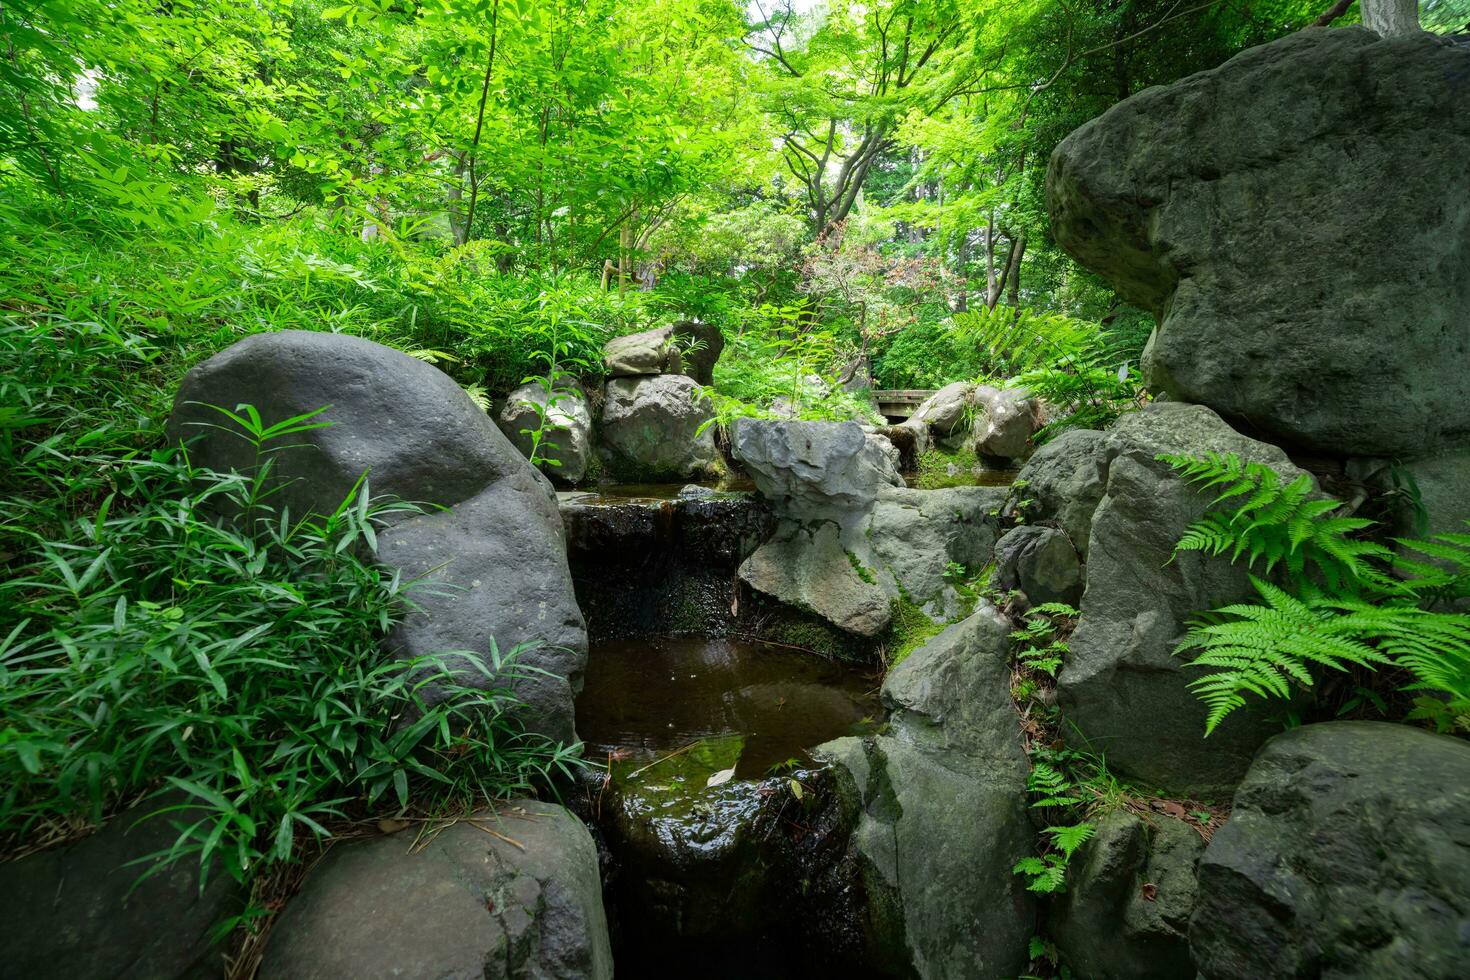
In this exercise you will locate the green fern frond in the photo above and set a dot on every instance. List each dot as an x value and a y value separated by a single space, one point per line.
1068 839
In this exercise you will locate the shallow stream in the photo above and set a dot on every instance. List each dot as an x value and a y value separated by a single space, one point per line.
715 819
643 698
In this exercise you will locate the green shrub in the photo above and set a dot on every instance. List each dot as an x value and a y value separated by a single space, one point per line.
156 645
1345 603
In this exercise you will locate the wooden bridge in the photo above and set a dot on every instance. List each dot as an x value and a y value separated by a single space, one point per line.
899 404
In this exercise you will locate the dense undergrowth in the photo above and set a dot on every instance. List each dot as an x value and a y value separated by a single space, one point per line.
185 638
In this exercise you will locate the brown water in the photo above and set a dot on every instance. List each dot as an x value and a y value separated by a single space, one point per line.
647 697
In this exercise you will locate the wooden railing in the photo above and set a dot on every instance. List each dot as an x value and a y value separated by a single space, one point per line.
899 403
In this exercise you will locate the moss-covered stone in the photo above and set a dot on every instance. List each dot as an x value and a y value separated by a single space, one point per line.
908 630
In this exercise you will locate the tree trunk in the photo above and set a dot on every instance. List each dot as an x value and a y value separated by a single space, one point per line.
1390 18
1013 270
992 287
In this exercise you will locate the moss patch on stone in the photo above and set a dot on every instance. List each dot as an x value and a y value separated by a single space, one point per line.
863 572
939 469
910 629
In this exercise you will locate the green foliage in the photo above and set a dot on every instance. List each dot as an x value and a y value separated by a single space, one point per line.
1086 373
909 628
1273 524
777 365
939 468
863 572
152 643
930 354
1343 607
1057 787
1041 643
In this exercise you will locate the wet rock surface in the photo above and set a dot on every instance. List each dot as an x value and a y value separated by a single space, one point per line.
469 904
718 877
658 559
1345 856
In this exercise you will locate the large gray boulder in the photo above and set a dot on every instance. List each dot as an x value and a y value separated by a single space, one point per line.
953 693
1347 855
651 429
493 569
945 415
1005 422
1121 685
1130 891
494 560
566 442
507 895
80 912
814 470
1062 483
812 568
404 423
1298 218
912 537
1040 562
650 352
852 540
938 812
701 346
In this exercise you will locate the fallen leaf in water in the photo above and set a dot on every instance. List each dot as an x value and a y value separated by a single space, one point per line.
796 789
388 826
721 778
1150 891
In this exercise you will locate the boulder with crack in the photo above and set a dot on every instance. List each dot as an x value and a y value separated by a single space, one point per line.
1298 219
851 539
1121 685
937 811
1345 855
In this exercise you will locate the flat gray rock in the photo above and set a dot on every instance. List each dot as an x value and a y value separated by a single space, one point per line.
649 352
